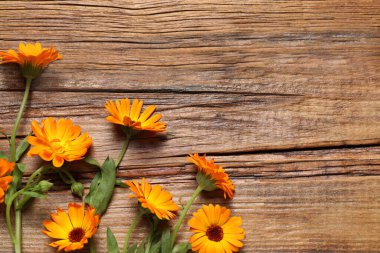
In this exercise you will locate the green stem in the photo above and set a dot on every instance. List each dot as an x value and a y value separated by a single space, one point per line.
38 173
92 245
130 230
121 183
8 216
123 150
9 223
183 214
18 230
70 179
17 123
30 183
16 238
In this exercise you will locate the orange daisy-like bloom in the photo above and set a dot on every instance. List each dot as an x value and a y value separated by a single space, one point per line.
32 58
5 169
213 172
58 141
73 229
157 200
215 231
125 114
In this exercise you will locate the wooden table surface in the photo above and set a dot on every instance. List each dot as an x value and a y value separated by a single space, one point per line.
284 94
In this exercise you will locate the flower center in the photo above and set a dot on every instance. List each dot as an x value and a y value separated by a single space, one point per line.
76 235
58 146
215 233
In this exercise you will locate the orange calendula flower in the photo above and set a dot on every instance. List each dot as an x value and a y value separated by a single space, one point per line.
211 176
125 114
32 58
5 169
215 231
58 141
157 200
73 229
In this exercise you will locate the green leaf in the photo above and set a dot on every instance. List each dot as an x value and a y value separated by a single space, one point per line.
155 248
182 247
91 161
112 245
132 248
34 194
141 248
102 187
166 241
4 156
24 145
94 184
21 167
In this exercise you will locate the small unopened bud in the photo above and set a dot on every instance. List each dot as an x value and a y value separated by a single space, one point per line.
43 186
77 188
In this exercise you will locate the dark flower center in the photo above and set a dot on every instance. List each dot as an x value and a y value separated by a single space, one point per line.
76 235
215 233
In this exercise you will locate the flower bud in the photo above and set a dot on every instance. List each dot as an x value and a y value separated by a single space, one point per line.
77 188
43 186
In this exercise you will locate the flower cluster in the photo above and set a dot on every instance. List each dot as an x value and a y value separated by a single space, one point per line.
59 143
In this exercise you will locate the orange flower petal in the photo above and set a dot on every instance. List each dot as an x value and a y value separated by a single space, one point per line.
157 200
123 113
5 179
216 172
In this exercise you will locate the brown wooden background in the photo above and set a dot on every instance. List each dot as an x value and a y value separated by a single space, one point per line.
284 94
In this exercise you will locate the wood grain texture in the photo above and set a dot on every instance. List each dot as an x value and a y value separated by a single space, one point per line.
284 94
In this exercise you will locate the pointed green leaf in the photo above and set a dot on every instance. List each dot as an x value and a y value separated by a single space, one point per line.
94 185
112 245
24 145
181 247
165 241
141 248
155 248
102 187
91 161
21 167
132 248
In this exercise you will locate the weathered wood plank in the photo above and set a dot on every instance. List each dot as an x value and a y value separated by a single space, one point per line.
287 47
214 123
333 214
290 201
359 161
